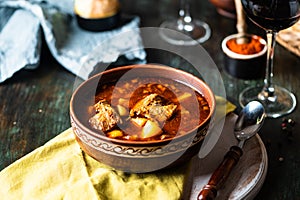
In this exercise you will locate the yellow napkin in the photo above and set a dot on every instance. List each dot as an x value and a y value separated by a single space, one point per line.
60 170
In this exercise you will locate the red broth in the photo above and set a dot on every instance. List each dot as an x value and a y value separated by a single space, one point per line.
188 109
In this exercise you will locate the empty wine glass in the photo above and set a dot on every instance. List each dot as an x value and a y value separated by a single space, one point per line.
272 16
186 30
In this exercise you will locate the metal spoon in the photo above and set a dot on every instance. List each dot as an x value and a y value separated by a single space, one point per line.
249 121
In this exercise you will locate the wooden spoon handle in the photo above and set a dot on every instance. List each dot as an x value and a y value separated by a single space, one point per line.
210 190
241 21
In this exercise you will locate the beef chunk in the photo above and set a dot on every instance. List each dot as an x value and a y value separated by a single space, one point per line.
153 107
105 118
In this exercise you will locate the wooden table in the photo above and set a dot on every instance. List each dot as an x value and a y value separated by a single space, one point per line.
34 105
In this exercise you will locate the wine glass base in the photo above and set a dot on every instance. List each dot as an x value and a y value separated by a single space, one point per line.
190 34
284 103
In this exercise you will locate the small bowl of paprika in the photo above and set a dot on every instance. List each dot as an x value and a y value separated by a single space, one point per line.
245 60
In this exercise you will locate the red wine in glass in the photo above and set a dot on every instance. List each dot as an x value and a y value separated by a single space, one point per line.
272 16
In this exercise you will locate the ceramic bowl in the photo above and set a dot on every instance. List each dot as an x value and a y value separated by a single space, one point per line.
98 24
137 156
249 66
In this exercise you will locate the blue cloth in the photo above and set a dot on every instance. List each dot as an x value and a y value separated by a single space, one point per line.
79 51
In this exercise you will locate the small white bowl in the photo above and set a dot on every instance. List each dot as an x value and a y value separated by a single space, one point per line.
244 66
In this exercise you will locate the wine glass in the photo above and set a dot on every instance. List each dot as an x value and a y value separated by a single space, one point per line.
185 29
272 16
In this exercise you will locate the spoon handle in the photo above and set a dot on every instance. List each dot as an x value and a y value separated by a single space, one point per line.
241 19
210 190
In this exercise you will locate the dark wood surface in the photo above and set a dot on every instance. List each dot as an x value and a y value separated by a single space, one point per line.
34 104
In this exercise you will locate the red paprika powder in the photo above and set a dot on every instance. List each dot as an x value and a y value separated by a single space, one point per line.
252 47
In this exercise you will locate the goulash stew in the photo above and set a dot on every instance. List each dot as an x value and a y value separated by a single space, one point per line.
144 109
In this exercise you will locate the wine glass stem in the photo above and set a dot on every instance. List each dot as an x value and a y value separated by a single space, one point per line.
268 91
185 19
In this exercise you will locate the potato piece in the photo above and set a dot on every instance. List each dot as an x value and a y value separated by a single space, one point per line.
123 102
184 111
161 88
184 96
139 121
131 137
150 129
122 110
115 133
